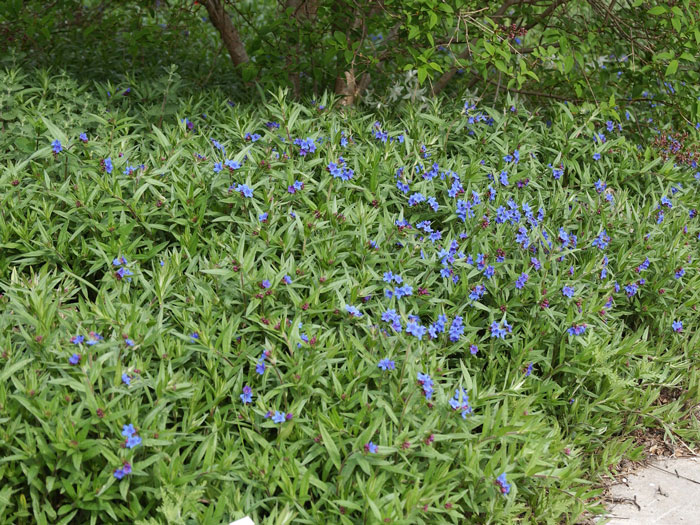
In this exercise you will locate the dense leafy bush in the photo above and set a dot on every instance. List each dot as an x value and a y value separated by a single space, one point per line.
604 52
451 315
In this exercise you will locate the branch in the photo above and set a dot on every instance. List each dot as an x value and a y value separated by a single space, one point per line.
229 34
546 13
447 75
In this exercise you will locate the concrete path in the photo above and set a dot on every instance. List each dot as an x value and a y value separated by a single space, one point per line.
665 492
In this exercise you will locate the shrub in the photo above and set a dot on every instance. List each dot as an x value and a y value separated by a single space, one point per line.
301 313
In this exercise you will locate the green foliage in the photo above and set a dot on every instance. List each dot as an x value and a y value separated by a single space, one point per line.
578 50
199 252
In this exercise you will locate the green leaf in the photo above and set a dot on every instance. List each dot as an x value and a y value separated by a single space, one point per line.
433 20
672 67
328 442
340 38
501 66
657 10
568 64
676 23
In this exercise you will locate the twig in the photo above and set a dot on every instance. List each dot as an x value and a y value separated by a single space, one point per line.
676 473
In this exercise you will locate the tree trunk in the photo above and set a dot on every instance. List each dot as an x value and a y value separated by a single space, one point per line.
351 88
229 35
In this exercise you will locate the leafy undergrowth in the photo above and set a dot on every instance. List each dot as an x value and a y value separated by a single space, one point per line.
305 315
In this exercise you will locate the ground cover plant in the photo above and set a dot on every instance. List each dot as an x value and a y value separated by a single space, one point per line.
442 314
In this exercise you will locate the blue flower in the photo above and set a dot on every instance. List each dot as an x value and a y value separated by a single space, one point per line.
389 316
244 190
557 172
194 336
477 292
57 148
677 326
460 402
500 332
74 359
596 156
371 448
503 484
218 167
124 272
415 329
353 311
126 379
232 165
427 383
128 430
263 217
416 198
306 146
247 395
456 329
577 329
568 291
260 367
83 137
287 279
129 342
107 165
387 364
403 291
520 283
279 417
133 441
679 273
601 242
